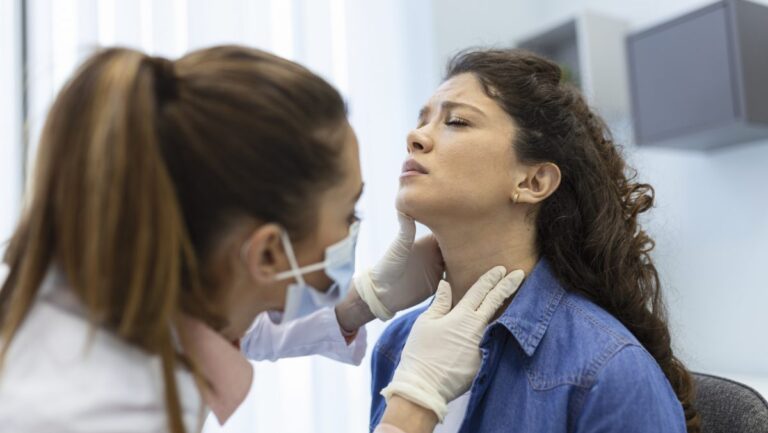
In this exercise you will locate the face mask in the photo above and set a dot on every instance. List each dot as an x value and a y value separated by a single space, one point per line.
339 264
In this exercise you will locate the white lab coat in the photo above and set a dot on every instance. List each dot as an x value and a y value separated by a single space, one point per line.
315 334
61 375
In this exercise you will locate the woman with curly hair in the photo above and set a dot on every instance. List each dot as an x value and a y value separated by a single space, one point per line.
508 165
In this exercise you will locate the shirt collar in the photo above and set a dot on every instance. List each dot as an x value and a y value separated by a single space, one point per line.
528 316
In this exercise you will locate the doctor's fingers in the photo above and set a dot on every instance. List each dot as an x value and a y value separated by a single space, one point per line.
407 232
500 293
441 305
477 293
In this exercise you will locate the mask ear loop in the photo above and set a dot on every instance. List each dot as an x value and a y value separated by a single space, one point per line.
295 270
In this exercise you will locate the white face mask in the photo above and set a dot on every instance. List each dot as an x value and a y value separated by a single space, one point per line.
339 264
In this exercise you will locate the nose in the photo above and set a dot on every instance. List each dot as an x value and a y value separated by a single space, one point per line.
419 141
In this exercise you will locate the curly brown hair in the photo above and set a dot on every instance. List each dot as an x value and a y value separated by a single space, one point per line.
588 228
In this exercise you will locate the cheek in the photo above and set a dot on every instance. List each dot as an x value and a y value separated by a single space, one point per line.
472 175
468 165
477 165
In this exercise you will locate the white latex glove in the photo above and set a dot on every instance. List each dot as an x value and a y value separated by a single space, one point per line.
442 354
406 275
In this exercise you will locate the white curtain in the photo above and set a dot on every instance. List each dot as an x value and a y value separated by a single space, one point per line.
10 120
364 48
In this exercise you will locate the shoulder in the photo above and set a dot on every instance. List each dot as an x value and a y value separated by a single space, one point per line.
632 392
393 339
593 321
615 381
632 367
580 341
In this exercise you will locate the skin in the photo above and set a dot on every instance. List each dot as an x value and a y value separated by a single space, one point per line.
352 313
408 417
477 197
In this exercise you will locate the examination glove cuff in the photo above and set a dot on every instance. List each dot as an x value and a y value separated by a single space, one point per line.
416 390
367 291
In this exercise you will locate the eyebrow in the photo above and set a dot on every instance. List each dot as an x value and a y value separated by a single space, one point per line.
359 193
448 105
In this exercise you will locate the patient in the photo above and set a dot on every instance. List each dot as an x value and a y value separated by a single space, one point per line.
509 166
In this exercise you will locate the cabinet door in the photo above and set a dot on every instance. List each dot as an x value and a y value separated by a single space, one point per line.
682 80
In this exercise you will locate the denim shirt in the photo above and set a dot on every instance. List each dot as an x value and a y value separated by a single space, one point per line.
553 362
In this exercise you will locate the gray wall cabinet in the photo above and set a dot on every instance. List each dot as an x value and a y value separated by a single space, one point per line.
701 81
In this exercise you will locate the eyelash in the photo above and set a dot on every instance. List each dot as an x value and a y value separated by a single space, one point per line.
457 123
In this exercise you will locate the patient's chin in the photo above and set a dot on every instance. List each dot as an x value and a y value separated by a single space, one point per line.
409 203
418 206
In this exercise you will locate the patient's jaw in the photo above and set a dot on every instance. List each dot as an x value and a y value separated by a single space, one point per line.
470 189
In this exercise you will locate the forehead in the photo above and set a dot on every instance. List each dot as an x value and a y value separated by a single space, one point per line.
464 88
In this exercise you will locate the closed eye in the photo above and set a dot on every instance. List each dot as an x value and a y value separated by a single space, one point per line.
457 122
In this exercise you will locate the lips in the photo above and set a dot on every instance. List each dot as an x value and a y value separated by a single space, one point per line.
411 165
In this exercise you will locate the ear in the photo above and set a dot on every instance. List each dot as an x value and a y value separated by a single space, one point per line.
540 181
263 253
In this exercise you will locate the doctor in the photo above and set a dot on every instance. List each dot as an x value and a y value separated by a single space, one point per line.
173 203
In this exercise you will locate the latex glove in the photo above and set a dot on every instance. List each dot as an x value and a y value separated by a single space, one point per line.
442 355
405 276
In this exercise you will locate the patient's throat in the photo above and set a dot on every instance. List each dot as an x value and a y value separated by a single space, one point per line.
458 291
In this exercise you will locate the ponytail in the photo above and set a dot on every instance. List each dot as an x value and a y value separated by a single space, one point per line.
105 205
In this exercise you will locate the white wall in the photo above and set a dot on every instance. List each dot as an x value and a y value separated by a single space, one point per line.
711 219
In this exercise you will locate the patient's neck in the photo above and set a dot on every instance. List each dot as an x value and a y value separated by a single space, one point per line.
470 250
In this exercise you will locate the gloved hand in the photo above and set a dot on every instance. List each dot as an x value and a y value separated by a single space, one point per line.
442 354
406 275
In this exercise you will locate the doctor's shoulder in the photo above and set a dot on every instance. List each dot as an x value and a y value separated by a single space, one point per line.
63 374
